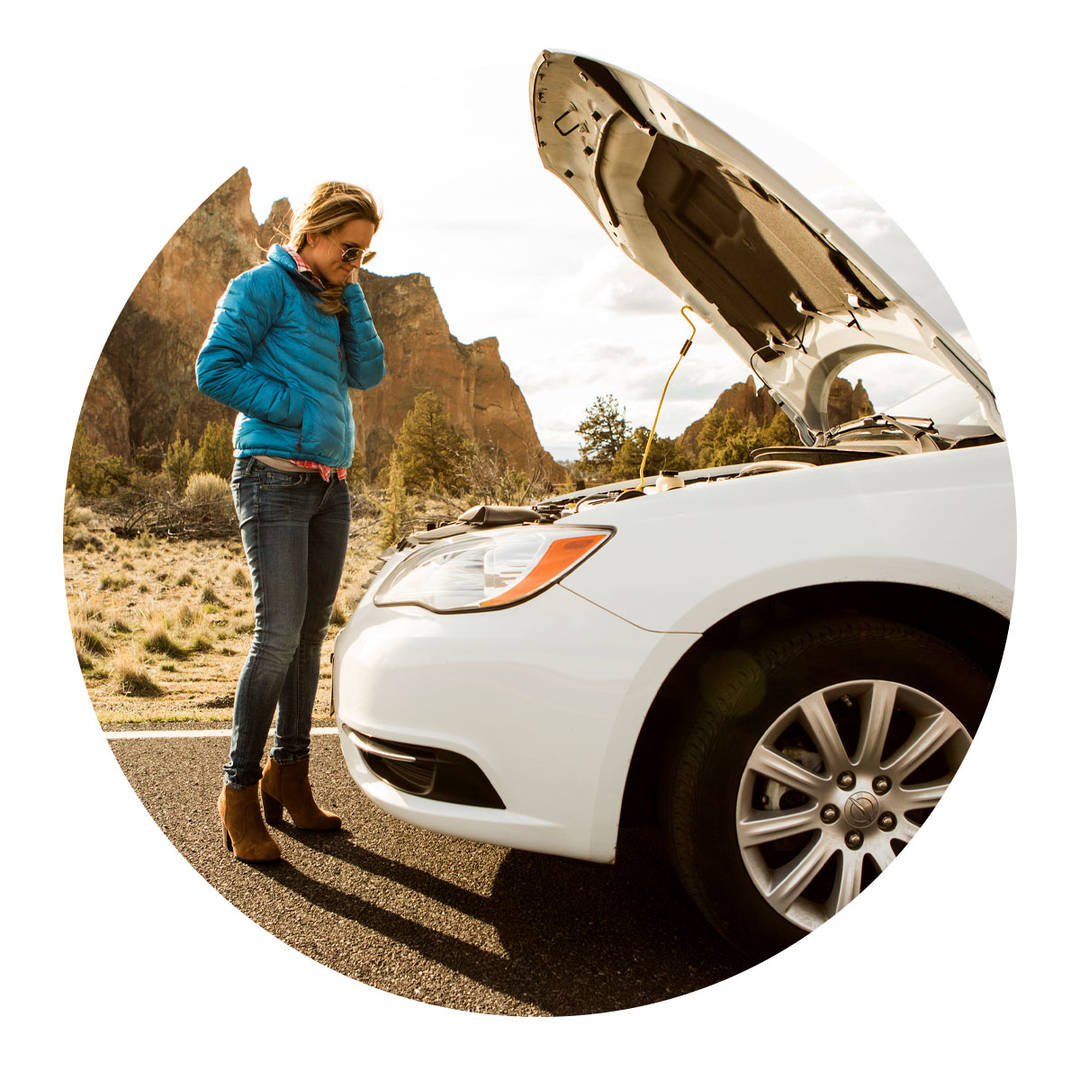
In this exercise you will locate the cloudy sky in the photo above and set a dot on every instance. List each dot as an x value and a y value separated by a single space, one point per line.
513 254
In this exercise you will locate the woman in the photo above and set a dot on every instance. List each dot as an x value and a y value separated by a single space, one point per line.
287 341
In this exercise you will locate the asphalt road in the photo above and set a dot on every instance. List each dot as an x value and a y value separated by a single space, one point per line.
445 921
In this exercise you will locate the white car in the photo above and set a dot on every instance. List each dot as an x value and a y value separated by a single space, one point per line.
782 663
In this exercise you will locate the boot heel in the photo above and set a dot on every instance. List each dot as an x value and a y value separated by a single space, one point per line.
226 839
271 808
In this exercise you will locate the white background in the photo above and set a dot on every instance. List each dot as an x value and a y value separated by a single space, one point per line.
122 118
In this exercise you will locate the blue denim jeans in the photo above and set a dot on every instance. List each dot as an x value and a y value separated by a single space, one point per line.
295 528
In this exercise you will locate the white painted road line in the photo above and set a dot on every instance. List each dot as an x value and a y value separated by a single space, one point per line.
198 734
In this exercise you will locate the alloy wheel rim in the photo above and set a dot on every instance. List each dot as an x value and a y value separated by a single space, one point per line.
836 787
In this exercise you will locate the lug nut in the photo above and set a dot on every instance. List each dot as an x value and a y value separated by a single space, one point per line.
853 839
829 813
887 821
846 780
882 785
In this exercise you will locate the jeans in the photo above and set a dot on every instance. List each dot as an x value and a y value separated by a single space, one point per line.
295 529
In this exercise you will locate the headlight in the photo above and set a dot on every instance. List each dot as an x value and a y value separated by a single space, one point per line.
490 570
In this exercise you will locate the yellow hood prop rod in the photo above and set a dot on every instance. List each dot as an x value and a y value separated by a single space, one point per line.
682 352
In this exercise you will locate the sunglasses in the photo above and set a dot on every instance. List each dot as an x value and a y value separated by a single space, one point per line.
354 253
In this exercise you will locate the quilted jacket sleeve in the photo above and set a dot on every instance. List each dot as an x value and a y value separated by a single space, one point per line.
364 367
224 368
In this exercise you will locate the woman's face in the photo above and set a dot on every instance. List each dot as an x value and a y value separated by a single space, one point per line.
322 252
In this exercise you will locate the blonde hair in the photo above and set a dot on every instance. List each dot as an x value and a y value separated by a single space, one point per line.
330 206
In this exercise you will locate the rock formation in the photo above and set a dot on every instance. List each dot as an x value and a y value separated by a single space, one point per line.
472 381
143 389
752 403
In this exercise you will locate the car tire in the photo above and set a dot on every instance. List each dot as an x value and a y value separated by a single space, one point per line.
803 762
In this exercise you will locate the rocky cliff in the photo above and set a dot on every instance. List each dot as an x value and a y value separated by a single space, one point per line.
471 380
143 388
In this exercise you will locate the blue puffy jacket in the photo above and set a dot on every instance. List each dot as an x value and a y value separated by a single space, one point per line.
286 366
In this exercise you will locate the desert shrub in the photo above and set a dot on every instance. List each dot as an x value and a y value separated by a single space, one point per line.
209 596
185 579
207 489
178 461
215 452
207 507
396 511
107 581
91 470
240 577
74 512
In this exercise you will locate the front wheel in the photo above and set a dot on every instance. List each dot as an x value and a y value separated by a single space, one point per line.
805 763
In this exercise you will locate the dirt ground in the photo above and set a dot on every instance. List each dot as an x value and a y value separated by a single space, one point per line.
162 627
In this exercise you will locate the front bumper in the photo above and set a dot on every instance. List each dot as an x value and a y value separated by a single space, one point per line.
545 700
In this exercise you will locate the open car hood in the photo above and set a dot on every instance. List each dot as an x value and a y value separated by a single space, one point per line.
793 295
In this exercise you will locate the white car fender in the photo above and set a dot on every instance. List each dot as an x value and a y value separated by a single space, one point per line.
944 520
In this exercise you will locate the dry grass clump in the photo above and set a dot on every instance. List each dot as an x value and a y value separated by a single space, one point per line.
107 581
160 641
133 680
159 638
184 579
89 644
89 633
210 597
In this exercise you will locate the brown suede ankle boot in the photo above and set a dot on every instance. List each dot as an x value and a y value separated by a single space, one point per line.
242 827
288 786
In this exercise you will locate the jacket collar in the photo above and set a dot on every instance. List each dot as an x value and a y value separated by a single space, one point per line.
277 254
